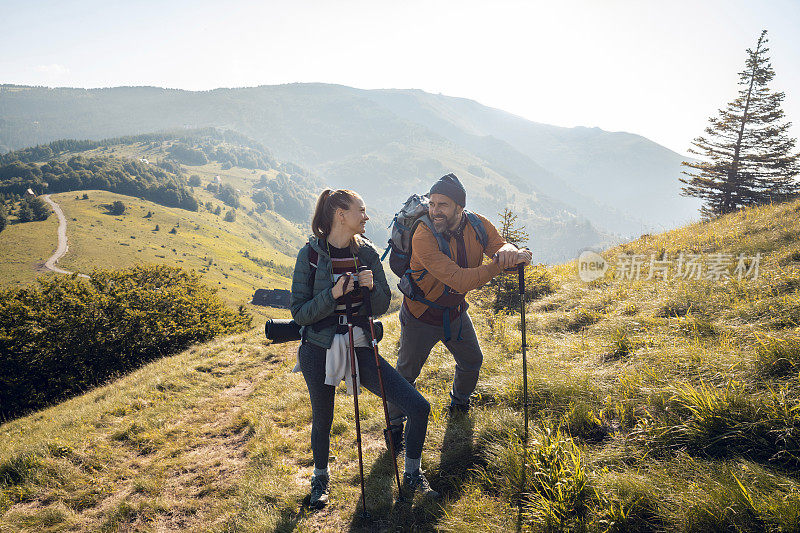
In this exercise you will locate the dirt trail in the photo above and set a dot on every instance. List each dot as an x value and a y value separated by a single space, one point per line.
63 246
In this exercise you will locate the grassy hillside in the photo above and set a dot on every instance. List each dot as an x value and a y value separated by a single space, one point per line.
202 240
655 405
23 250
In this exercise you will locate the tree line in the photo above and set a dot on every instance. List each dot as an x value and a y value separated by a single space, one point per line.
224 192
27 209
45 152
293 197
127 177
67 334
227 156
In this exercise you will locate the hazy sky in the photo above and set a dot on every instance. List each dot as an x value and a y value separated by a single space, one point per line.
656 68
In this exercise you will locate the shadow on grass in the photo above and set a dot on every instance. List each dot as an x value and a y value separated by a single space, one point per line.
381 491
290 518
458 457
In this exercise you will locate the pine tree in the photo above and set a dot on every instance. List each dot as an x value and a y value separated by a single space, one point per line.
747 151
508 230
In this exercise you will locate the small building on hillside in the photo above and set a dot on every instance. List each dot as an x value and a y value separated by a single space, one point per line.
272 297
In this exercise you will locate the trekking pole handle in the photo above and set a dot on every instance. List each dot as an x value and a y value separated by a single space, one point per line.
367 303
519 266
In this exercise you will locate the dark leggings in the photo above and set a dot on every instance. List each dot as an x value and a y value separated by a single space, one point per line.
398 391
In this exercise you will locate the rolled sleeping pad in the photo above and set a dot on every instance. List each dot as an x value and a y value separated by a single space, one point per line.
284 330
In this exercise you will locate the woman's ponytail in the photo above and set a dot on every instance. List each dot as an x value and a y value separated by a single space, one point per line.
320 223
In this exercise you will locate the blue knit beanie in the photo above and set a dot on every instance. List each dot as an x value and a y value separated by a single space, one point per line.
452 188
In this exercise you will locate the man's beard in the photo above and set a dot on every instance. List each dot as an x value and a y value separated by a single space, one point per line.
442 224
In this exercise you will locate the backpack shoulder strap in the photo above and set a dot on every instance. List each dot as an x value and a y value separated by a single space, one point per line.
477 225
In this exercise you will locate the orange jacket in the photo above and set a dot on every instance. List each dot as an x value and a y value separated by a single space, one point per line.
442 270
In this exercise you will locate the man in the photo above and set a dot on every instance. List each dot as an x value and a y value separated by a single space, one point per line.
445 282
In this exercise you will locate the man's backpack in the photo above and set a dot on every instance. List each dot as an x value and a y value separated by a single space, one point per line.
413 213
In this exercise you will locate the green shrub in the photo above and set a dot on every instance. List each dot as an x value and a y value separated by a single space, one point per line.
718 418
117 208
548 476
68 334
31 209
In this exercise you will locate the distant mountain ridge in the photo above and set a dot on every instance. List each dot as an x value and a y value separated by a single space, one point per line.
627 177
572 188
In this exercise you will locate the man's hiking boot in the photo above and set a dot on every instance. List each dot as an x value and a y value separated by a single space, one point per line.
396 434
456 409
416 482
319 492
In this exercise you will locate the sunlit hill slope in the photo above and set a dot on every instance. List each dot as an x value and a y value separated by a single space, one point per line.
667 405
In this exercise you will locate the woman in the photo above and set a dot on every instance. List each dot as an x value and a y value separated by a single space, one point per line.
320 286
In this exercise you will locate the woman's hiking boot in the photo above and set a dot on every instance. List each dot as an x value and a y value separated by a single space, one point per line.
319 492
417 482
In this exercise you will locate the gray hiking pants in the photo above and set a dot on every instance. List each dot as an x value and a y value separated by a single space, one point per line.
416 341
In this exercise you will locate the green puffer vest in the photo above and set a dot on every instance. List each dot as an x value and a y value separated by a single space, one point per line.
312 304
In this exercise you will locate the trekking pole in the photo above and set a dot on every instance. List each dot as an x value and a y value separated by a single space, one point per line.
349 311
387 433
521 269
